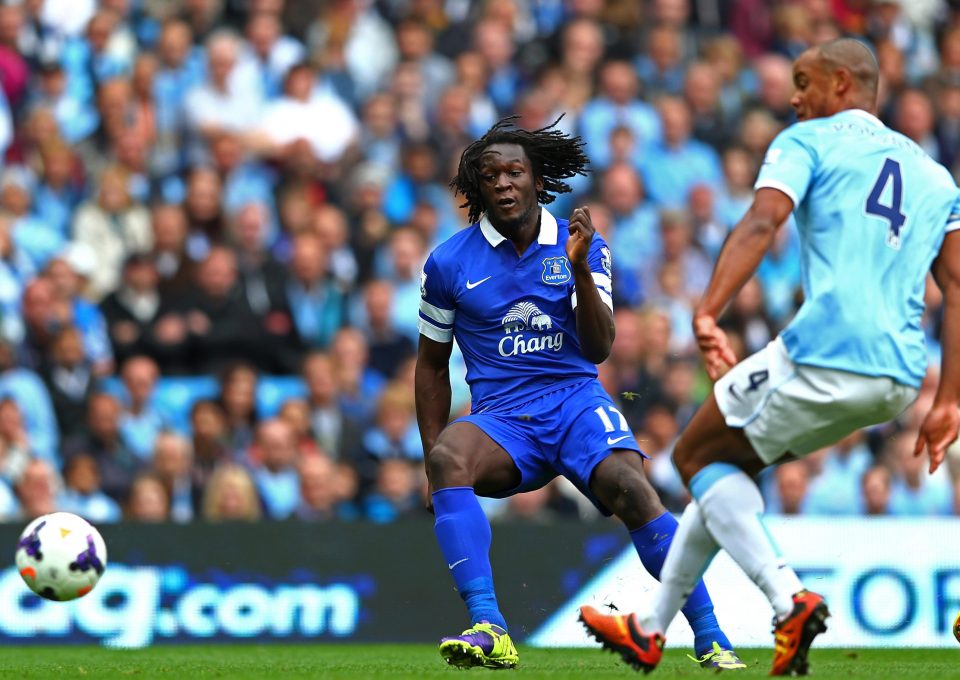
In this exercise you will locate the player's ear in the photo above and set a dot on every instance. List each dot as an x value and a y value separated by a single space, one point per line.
538 183
842 81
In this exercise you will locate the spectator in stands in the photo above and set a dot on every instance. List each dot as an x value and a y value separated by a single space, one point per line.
219 319
149 501
231 495
394 433
617 104
407 253
37 490
118 464
262 275
337 433
915 117
290 121
330 226
661 67
275 471
16 450
59 189
238 391
701 92
635 229
171 465
174 268
912 490
269 51
678 163
839 488
138 318
70 382
203 210
229 100
388 347
16 270
141 421
70 273
775 87
396 492
83 495
321 497
296 414
244 180
32 236
792 481
316 301
114 226
875 485
209 440
30 394
357 383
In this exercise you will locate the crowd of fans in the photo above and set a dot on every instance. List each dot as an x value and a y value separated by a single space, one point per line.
213 214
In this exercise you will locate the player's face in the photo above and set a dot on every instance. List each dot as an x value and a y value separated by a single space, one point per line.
812 83
508 187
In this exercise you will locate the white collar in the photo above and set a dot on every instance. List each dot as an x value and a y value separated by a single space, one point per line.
548 230
865 114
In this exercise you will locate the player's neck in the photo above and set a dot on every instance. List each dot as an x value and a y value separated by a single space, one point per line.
521 235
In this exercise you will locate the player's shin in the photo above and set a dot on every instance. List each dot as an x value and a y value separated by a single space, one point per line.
732 507
463 533
676 555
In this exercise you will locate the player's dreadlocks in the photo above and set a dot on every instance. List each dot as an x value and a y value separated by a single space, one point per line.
554 156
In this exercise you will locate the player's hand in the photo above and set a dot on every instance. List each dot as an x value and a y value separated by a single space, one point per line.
938 431
581 234
718 357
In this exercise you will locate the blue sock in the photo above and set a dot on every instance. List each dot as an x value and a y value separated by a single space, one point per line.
652 541
464 536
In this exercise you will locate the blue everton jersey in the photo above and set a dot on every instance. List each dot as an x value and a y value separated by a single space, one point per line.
512 316
872 210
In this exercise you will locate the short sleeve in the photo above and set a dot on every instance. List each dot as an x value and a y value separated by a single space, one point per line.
789 164
437 309
600 260
953 221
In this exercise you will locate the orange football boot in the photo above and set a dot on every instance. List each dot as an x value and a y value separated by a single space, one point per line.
621 633
793 636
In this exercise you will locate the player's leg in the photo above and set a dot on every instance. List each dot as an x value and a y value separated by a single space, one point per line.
619 483
466 460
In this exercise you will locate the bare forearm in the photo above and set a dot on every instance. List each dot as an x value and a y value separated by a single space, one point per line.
948 392
433 396
595 328
738 260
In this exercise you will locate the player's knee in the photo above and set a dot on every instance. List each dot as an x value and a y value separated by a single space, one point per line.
685 460
447 467
627 493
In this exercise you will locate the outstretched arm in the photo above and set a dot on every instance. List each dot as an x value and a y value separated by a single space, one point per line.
941 424
595 328
741 255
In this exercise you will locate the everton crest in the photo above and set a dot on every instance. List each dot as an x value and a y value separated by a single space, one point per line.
556 271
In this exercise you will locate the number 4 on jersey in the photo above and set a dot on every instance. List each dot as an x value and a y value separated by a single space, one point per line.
890 212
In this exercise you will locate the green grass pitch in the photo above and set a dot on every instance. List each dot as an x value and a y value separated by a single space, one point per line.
421 662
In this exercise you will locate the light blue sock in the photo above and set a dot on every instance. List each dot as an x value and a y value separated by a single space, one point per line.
652 541
464 536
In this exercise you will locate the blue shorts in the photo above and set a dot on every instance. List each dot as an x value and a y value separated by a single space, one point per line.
565 432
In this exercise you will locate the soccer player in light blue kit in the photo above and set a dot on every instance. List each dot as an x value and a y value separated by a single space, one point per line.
528 299
874 213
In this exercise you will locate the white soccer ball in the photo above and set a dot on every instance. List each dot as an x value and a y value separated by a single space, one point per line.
61 556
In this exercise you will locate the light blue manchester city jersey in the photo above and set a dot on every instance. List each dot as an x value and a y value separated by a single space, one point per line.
512 316
872 210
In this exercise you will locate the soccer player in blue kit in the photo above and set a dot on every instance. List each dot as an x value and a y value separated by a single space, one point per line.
874 213
528 299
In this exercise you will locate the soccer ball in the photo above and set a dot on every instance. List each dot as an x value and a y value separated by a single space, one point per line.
956 628
61 556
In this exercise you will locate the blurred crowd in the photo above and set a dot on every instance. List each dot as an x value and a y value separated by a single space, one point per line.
213 215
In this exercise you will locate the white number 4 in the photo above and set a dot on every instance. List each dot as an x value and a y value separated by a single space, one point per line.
607 423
